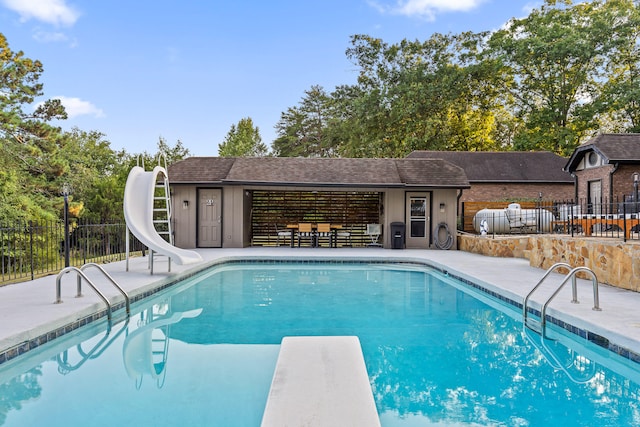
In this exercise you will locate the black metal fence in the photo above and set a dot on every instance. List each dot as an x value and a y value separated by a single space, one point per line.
32 249
619 218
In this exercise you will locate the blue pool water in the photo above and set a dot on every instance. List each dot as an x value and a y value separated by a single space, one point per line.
203 353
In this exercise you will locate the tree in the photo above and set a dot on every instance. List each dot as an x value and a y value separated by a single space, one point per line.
302 130
172 154
95 177
420 95
100 174
621 94
552 65
243 140
32 170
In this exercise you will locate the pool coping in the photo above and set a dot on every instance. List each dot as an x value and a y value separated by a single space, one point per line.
92 311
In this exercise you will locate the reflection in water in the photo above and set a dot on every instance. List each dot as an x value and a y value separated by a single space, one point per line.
561 357
145 350
434 354
19 390
65 366
497 371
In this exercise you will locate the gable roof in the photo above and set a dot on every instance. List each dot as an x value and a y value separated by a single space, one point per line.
612 147
504 166
299 171
197 170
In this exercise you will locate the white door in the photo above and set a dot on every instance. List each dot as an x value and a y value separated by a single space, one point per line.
595 197
418 220
209 220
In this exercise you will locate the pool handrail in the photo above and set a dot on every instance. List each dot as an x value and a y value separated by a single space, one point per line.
574 292
79 288
572 275
113 282
548 272
81 275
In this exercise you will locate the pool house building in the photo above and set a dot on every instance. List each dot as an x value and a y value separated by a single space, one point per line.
240 202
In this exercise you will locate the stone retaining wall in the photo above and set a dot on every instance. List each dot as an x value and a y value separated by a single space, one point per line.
614 262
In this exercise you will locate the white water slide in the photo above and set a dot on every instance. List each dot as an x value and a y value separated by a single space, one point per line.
138 213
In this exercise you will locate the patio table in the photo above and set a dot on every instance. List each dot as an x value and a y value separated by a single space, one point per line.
333 242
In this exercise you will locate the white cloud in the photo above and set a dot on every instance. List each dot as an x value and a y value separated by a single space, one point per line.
427 9
77 107
55 12
53 37
48 37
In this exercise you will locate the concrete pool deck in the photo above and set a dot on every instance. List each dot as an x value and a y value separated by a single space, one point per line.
28 312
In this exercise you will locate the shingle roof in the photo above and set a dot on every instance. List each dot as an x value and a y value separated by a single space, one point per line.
200 169
319 172
313 171
504 166
613 147
416 171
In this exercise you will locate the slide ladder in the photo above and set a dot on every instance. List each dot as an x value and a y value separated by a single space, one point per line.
539 326
147 212
162 210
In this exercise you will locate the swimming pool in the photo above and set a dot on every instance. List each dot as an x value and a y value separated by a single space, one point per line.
203 353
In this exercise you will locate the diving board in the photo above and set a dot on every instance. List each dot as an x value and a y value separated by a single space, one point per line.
319 382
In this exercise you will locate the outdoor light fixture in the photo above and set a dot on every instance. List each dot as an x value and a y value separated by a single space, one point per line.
441 207
66 190
185 204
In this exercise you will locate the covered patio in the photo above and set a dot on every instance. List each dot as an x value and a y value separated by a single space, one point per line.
351 211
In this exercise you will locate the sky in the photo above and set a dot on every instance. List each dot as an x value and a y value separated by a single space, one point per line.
140 70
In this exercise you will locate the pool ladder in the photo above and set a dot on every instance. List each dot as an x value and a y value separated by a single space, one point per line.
539 326
81 275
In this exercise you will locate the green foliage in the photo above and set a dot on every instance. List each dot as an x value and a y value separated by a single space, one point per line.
243 140
620 102
554 60
37 159
303 130
29 158
409 96
102 197
544 82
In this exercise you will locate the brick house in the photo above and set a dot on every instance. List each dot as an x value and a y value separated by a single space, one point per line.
604 169
508 175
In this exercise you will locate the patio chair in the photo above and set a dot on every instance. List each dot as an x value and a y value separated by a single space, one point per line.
324 231
374 231
345 236
514 218
282 233
305 230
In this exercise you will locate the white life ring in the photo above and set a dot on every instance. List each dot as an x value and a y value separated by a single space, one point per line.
484 227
